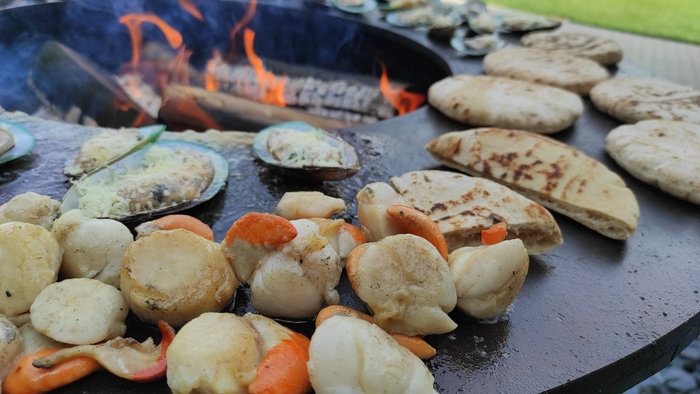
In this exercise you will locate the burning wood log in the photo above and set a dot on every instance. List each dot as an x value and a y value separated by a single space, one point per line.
341 99
234 113
67 80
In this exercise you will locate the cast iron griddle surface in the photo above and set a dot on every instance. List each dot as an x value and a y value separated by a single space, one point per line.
594 314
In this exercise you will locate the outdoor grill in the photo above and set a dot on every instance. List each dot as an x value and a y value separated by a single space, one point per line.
594 315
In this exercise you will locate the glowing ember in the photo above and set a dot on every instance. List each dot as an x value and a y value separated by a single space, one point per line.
241 23
133 23
403 101
189 6
271 89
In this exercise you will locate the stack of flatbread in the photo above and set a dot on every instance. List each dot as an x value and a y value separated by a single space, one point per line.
635 99
504 102
547 171
462 206
600 50
662 153
549 68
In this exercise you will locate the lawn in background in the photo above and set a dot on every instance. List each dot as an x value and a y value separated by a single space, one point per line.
672 19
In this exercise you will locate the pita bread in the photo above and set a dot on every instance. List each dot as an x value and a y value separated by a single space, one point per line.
548 68
462 206
503 102
635 99
662 153
600 50
7 141
548 172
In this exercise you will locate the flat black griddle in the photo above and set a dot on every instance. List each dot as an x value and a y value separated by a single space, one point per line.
594 315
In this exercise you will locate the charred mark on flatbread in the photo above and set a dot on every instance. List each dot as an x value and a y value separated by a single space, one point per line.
505 159
456 147
496 218
487 168
438 207
520 172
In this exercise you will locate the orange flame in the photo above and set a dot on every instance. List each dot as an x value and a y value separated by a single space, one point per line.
244 21
133 23
189 6
180 70
210 82
403 101
271 90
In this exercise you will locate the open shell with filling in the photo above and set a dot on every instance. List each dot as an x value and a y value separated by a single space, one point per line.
307 151
20 141
109 146
159 179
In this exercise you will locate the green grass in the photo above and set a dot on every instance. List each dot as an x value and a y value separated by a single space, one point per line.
671 19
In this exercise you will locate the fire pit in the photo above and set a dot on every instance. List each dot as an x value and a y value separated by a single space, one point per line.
264 59
595 315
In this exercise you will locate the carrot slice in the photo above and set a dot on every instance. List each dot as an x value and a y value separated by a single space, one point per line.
261 229
495 234
417 223
24 378
186 222
283 369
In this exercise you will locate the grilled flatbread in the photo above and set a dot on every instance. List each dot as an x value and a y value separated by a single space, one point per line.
462 206
548 68
547 171
662 153
7 141
600 50
634 99
503 102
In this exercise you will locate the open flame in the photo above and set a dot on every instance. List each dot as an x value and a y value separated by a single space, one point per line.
133 23
252 7
210 82
403 101
189 6
271 89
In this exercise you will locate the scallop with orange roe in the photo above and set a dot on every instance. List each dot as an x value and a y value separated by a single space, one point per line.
172 222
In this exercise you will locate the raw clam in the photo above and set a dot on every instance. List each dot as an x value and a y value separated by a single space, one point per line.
341 160
99 151
22 139
166 193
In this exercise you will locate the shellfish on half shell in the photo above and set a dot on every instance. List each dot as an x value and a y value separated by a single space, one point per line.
161 178
304 150
109 146
22 141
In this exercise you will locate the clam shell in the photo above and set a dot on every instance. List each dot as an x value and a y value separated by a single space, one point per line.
24 141
457 43
221 172
367 6
149 134
350 168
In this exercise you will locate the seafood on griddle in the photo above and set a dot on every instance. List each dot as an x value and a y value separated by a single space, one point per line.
306 151
162 178
100 150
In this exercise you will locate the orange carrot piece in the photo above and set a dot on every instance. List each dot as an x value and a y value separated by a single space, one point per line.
24 378
261 229
417 223
186 222
283 369
495 234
